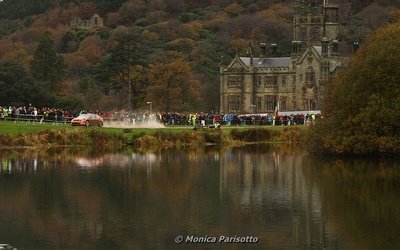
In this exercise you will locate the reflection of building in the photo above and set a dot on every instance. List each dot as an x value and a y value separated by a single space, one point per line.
275 183
94 21
296 82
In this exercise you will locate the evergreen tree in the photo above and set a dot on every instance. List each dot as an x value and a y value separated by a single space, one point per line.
17 87
47 66
14 9
108 5
65 3
125 63
69 42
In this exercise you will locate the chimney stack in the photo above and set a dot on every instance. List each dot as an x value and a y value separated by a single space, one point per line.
274 49
356 45
263 48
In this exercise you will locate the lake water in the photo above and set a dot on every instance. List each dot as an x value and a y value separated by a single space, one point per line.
271 197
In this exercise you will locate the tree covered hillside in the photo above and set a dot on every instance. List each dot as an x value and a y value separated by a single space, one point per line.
169 50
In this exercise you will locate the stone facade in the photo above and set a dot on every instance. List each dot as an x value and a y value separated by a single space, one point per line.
93 22
258 84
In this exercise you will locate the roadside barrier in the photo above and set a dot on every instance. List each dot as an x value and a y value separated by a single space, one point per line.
28 118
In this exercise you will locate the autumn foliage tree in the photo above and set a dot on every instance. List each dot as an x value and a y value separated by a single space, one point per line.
18 53
362 106
174 87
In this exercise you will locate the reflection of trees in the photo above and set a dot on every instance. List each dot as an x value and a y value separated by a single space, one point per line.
360 200
30 160
114 206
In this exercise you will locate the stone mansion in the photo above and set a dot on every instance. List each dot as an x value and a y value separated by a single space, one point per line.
260 84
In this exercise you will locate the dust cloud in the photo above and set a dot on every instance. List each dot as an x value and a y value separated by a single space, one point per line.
132 124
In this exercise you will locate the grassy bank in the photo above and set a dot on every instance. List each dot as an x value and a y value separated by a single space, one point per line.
22 134
227 137
64 137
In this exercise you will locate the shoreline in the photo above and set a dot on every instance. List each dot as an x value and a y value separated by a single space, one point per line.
174 138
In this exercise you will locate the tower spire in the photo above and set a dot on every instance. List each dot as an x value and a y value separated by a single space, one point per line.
250 53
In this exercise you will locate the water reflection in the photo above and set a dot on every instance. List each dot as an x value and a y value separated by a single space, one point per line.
118 160
77 199
31 160
360 198
270 181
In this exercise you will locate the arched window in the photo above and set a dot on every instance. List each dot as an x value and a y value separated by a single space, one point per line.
325 70
234 103
310 75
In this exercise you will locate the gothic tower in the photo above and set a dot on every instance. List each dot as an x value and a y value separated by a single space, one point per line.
313 23
331 21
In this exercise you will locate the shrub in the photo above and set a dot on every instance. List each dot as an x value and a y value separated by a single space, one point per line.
187 17
6 140
146 141
290 135
255 135
214 137
104 34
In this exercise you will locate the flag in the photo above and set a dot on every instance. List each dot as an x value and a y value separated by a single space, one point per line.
276 109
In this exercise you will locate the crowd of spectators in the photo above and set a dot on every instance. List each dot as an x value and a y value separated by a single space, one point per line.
46 114
206 119
30 112
236 119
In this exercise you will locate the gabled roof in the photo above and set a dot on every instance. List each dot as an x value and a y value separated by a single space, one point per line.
238 63
318 49
336 65
273 62
314 50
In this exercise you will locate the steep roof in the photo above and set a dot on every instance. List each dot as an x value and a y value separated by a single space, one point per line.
268 62
318 49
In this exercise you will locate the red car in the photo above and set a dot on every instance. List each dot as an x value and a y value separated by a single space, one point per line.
87 120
